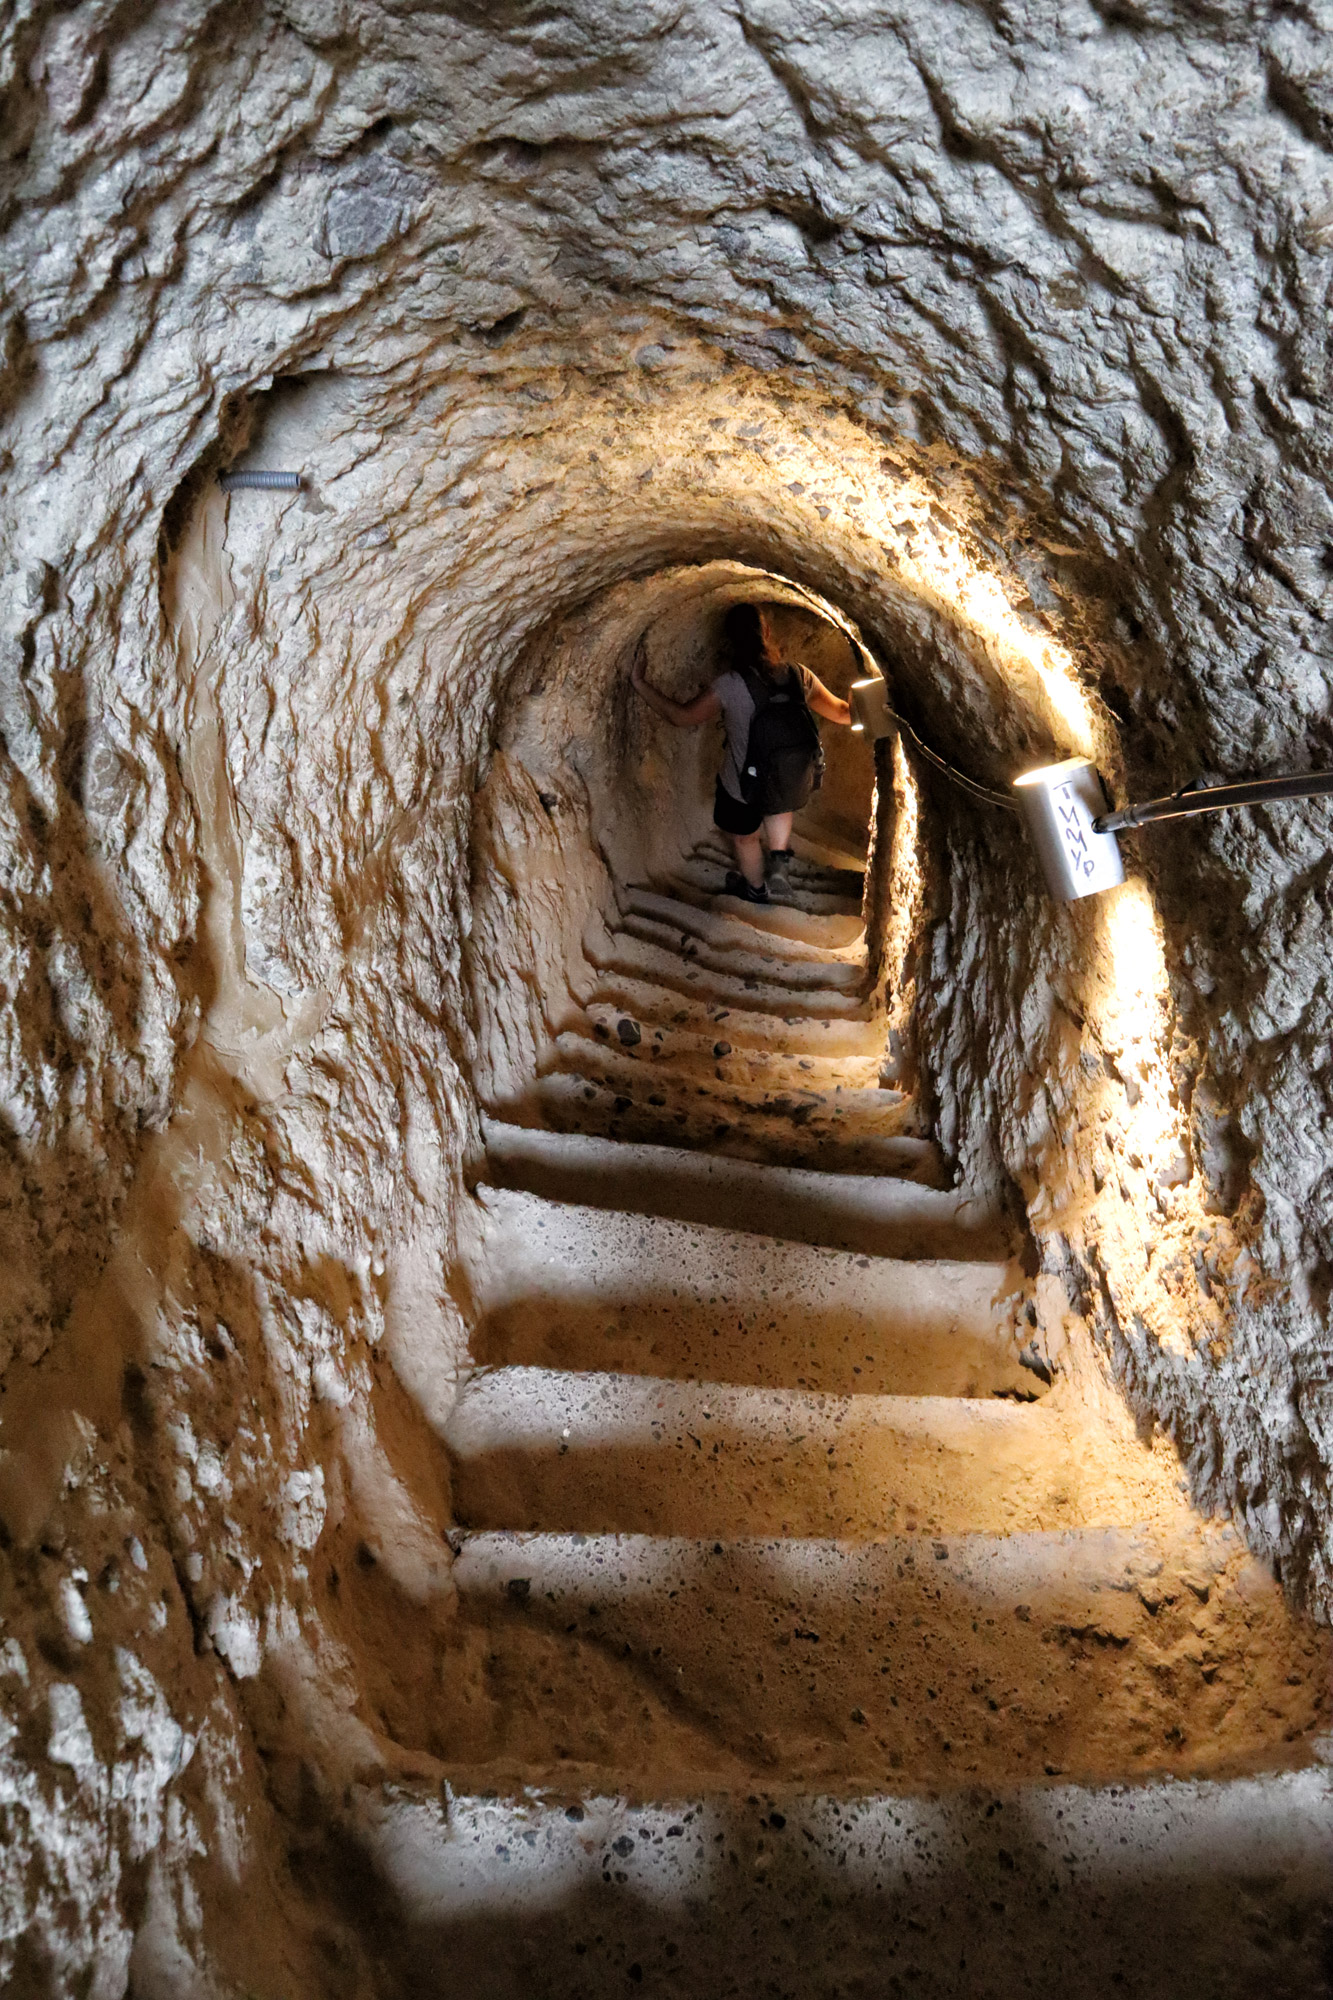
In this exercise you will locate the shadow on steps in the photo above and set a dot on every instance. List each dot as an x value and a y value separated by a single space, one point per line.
1052 1894
874 1215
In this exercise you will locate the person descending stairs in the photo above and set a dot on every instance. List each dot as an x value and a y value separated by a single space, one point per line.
762 1477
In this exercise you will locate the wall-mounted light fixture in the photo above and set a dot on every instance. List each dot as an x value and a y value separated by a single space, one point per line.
874 715
869 700
1062 804
1074 830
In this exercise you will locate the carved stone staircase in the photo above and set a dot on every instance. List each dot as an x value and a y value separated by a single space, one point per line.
812 1638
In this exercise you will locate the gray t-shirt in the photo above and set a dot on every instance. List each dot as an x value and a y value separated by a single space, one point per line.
737 715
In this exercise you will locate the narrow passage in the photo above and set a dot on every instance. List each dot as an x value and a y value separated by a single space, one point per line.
760 1478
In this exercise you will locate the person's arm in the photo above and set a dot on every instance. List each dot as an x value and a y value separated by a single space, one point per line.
683 714
824 703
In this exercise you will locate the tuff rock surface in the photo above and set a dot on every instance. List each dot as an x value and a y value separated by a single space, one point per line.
1002 330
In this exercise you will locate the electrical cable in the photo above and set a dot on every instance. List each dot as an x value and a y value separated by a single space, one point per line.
950 771
1191 799
978 791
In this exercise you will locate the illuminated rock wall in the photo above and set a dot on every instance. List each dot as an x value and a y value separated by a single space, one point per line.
1007 338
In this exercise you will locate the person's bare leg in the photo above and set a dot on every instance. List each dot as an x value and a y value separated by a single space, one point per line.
777 832
750 857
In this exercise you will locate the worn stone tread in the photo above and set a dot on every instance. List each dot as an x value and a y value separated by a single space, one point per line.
702 1045
914 1661
598 1089
625 956
607 1452
781 929
810 876
868 1213
560 1286
748 1024
778 969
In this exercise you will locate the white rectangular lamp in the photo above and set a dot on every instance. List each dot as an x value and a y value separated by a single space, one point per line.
1060 802
869 703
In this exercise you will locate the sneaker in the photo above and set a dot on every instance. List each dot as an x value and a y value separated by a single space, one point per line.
779 870
736 885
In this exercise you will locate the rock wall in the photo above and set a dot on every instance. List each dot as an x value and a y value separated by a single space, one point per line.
1004 333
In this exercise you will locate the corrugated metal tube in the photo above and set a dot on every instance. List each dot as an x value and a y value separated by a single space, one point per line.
264 482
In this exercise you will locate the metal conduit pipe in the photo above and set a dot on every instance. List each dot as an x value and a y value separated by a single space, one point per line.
1200 798
263 482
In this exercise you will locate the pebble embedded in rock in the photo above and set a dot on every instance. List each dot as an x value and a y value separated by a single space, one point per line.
629 1031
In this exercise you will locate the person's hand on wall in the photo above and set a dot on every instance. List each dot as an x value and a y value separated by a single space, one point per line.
681 714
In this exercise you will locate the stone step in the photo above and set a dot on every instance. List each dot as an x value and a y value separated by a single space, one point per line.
779 1031
700 882
557 1286
870 1214
615 1098
810 876
697 1051
623 955
537 1448
1114 1654
653 1059
778 969
735 925
1054 1891
822 850
568 1106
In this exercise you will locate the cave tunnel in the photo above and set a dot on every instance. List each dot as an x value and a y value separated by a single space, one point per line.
562 1431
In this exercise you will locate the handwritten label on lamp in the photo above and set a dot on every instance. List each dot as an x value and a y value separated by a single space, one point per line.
1060 803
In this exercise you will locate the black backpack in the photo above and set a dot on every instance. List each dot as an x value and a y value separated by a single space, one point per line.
784 758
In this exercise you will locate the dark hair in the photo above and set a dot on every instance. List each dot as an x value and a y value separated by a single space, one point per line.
743 641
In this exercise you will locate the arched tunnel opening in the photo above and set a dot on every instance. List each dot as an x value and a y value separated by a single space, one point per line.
562 1430
635 797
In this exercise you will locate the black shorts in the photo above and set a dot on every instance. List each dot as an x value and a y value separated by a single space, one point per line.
733 815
